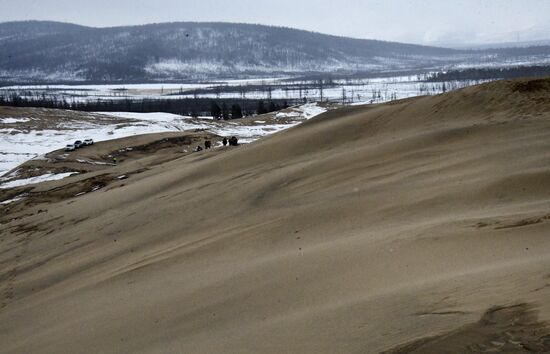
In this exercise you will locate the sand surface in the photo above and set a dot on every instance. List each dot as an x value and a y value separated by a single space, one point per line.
418 226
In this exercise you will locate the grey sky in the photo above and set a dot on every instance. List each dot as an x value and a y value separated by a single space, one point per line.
439 22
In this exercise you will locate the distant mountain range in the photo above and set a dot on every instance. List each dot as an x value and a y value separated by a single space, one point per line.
38 51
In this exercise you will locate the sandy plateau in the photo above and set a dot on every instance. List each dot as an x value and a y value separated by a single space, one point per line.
416 226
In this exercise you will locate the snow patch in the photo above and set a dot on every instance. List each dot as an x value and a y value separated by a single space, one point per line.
311 110
307 111
13 120
287 115
16 199
151 117
37 179
92 162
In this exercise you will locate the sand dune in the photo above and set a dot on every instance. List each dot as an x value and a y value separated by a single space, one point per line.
416 226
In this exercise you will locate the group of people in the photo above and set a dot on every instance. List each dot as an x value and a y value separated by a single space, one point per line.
233 141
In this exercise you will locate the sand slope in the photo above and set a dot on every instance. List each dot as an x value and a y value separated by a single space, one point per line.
395 227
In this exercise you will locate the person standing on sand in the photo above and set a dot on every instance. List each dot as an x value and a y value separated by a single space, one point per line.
207 144
224 141
114 160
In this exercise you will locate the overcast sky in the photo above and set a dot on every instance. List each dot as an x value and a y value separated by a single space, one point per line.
438 22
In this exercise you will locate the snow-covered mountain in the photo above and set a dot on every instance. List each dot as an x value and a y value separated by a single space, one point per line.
52 51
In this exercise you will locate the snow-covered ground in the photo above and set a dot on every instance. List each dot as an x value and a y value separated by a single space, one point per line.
34 180
9 201
13 120
82 93
18 146
310 110
371 90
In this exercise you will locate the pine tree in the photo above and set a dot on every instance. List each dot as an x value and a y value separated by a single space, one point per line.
236 111
225 112
215 110
261 108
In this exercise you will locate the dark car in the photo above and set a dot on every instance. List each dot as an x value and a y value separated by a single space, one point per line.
78 144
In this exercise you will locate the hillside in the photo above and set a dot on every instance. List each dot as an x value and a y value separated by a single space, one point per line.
50 51
187 50
419 226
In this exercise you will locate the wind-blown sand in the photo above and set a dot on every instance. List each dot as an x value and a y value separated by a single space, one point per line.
416 226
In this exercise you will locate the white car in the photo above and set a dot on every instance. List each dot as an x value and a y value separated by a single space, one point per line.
70 147
88 142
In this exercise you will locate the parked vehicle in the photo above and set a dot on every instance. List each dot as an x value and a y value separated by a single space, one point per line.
70 147
78 144
88 142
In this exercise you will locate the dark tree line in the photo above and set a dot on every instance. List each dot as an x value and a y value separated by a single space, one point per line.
491 73
223 112
218 108
236 111
286 85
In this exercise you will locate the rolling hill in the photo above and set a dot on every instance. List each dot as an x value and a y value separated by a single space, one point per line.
55 52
